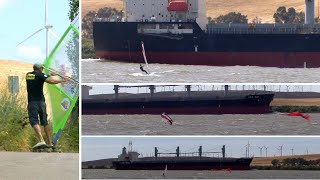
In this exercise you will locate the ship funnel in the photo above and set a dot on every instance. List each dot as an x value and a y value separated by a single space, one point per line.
309 18
226 90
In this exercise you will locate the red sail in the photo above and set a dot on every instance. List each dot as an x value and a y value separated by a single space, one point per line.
299 114
179 6
167 118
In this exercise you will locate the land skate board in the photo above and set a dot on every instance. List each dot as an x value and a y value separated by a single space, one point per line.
46 148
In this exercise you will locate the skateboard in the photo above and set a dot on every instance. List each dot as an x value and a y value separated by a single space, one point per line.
46 148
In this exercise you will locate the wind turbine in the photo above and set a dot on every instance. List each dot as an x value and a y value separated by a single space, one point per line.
260 150
280 149
47 27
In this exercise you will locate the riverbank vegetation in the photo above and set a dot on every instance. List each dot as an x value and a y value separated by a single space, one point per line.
302 109
291 164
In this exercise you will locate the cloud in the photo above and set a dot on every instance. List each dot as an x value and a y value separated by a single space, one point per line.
28 52
3 3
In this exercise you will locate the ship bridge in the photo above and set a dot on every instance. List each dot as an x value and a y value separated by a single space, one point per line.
166 11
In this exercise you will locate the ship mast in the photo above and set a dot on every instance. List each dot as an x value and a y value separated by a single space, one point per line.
130 146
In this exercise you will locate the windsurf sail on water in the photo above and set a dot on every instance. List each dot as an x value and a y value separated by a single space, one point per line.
144 54
299 114
63 60
165 171
166 118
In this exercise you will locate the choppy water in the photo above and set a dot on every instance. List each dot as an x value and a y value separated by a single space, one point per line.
269 124
102 71
253 174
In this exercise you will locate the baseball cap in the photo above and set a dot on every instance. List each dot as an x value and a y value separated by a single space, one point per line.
37 66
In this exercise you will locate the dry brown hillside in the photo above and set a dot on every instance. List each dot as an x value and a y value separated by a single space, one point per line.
267 161
252 8
296 102
13 68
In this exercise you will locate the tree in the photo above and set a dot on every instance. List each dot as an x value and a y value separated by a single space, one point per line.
88 49
302 162
291 16
211 20
74 9
275 162
256 20
232 17
287 162
280 15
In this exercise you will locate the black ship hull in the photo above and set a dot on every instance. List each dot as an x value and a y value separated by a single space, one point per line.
121 41
214 164
250 104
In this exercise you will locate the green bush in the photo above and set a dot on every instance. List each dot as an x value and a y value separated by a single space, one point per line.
88 49
14 136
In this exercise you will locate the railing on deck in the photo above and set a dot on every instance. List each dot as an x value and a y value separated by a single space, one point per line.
262 29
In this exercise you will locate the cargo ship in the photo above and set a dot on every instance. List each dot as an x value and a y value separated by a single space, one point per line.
130 161
180 103
178 32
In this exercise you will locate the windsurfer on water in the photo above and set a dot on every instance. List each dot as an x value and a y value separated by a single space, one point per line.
36 101
141 68
167 118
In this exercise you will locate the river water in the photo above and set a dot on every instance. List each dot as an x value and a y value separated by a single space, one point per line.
253 174
103 71
268 124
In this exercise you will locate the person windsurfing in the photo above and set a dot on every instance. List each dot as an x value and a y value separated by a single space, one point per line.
167 118
36 101
141 68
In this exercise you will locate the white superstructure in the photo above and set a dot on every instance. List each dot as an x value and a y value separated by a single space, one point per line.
157 11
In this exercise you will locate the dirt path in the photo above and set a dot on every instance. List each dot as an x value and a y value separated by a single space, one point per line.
40 166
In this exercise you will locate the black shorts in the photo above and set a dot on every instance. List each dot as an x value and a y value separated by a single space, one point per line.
37 110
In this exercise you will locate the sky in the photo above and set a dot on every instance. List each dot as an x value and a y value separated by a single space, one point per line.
21 18
94 148
108 89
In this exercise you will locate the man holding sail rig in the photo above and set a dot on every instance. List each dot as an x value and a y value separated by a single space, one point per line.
36 101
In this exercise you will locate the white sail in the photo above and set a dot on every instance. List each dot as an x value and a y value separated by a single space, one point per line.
144 54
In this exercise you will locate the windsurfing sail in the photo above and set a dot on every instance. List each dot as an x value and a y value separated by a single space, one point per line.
165 171
299 114
166 118
63 60
144 54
